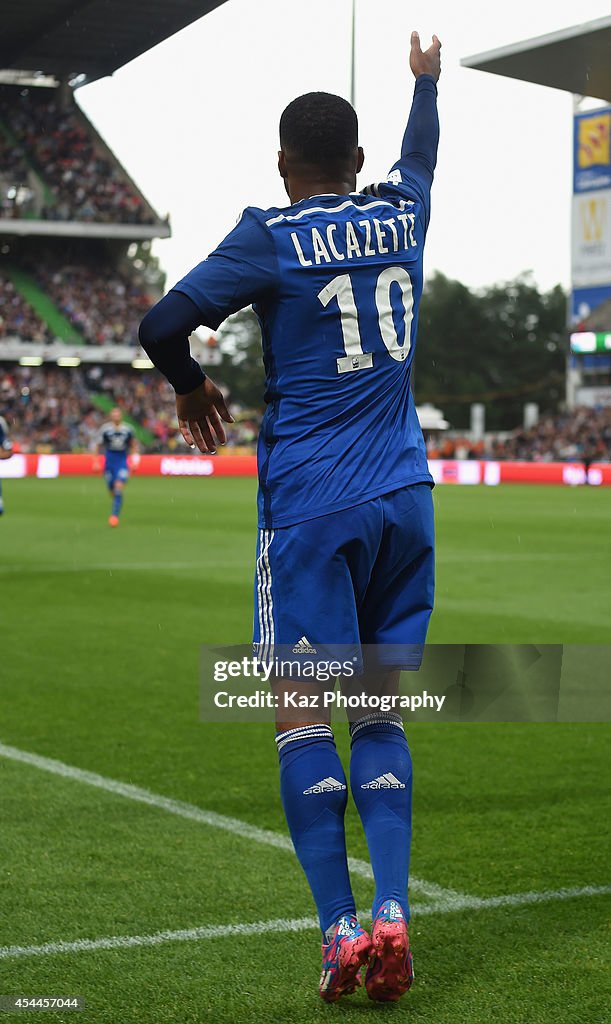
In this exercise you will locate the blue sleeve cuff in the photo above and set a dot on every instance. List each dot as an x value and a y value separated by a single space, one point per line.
423 80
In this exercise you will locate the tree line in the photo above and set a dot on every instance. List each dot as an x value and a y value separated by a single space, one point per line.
503 345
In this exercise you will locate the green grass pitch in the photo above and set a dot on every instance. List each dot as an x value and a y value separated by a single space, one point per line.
100 633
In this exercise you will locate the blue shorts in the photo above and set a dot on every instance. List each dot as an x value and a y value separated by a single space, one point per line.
362 577
116 474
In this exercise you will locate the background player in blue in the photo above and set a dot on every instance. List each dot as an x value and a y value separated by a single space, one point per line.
6 450
345 552
117 440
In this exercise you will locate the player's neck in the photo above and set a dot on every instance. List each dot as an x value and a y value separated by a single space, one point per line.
305 189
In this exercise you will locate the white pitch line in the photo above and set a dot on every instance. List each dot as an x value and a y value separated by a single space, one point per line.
514 899
194 813
215 931
283 925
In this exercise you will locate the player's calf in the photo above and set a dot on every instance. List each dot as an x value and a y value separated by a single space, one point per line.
381 783
117 502
314 795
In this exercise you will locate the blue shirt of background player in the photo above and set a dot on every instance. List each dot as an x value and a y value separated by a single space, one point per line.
335 281
116 442
5 444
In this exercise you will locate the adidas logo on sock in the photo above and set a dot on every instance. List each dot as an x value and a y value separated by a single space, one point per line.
387 781
304 646
324 786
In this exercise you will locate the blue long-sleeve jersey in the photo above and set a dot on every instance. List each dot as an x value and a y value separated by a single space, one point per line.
335 281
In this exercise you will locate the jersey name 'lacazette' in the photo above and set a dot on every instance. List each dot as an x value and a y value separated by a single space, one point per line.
335 281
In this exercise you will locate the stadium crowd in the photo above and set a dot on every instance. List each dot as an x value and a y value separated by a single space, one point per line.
15 194
17 318
84 184
581 435
52 409
104 305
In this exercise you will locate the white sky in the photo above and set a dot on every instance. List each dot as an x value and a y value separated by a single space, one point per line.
195 123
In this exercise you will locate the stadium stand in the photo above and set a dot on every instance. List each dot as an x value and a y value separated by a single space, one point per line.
17 316
69 211
59 410
16 195
55 169
51 410
579 435
56 141
78 302
584 434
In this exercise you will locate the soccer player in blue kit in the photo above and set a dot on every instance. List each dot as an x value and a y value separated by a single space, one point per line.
345 550
118 441
6 450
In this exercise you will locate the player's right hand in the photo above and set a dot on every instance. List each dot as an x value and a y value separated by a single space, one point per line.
200 414
427 63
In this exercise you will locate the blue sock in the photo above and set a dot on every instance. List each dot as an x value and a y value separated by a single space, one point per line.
117 501
381 783
314 796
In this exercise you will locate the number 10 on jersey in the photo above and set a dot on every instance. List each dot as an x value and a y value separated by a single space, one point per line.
341 289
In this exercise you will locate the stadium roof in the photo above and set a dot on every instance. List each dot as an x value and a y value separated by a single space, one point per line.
66 38
576 59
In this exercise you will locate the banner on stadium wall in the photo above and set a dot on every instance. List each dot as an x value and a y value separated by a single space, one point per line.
592 150
443 471
585 300
591 213
591 233
594 397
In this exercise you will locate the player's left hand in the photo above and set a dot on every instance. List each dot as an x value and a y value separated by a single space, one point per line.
200 414
427 63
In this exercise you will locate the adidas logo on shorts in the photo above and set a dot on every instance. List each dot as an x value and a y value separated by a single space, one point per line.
324 786
387 781
304 646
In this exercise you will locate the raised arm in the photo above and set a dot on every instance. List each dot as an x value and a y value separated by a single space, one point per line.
419 146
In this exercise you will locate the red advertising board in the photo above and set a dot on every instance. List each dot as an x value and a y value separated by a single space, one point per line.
444 471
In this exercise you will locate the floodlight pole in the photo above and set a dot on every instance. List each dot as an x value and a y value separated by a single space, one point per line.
352 59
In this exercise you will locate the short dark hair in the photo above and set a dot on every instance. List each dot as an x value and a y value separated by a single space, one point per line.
319 128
